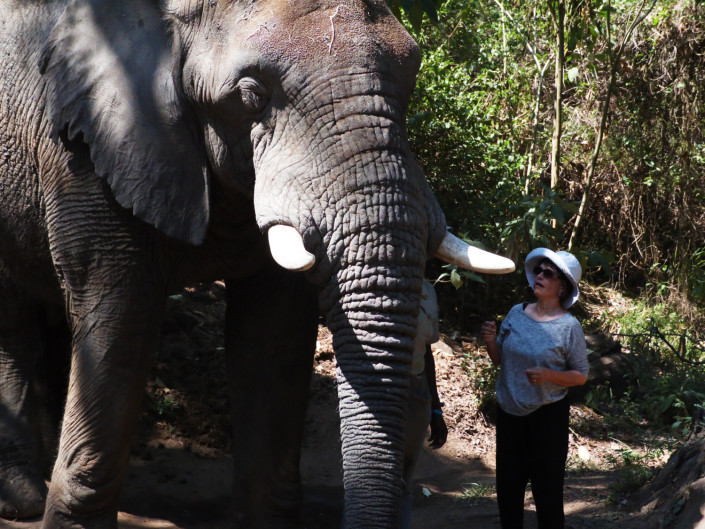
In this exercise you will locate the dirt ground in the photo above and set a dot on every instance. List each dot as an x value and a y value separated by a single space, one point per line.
179 476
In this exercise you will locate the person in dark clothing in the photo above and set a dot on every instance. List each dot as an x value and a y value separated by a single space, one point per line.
424 405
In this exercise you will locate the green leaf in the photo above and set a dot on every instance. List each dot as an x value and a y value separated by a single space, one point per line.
557 213
666 403
693 395
455 278
473 276
573 74
534 228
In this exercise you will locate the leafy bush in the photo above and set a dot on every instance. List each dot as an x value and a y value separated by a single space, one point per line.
633 470
532 226
663 389
166 406
461 122
471 123
694 270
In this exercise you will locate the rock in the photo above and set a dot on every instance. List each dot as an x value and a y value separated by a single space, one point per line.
442 347
608 366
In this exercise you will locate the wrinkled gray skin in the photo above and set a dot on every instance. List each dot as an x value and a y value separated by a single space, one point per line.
147 145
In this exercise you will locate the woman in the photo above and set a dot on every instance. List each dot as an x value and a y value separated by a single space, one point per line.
541 351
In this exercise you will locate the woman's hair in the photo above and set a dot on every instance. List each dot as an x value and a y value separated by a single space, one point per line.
567 285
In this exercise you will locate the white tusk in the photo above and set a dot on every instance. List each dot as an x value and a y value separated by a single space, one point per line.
288 250
454 251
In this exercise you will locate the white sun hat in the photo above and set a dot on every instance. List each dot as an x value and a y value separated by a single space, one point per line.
565 262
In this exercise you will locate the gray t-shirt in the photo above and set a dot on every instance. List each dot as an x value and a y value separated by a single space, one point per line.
523 342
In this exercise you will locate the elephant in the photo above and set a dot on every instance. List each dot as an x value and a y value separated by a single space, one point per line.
148 145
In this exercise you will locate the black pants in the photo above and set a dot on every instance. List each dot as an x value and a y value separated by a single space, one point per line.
533 447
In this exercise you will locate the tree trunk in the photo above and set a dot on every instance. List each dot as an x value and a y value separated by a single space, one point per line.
614 61
593 159
535 128
676 498
558 23
558 16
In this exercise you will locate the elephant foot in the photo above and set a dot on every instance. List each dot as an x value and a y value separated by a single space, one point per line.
55 518
74 505
22 494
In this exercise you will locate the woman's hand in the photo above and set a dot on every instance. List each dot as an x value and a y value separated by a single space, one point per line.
488 333
537 375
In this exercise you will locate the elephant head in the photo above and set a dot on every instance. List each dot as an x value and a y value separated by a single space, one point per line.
299 105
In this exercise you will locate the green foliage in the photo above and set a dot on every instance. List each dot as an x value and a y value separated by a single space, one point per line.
166 406
654 150
461 120
412 11
532 227
642 314
471 124
685 423
662 388
476 491
694 271
633 470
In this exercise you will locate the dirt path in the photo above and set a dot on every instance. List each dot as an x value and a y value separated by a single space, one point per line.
177 489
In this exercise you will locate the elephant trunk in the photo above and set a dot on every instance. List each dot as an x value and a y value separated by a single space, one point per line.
372 312
361 221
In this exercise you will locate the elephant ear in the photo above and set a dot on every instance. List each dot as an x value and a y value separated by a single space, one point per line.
111 70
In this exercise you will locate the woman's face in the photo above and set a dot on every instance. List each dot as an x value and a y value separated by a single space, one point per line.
548 285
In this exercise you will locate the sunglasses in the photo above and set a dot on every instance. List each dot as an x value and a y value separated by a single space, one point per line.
547 272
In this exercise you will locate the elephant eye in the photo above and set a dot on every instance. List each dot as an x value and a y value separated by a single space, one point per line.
253 93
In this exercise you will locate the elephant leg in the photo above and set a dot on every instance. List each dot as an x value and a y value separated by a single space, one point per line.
22 488
114 336
270 337
51 381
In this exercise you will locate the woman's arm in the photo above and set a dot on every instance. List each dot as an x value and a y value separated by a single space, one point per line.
541 375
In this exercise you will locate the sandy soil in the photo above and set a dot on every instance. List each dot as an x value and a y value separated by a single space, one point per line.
179 475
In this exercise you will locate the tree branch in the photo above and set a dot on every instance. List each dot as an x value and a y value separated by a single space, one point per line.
614 64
